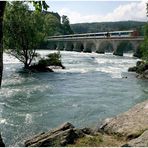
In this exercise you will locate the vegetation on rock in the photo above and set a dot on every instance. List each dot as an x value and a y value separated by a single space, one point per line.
142 66
144 46
48 63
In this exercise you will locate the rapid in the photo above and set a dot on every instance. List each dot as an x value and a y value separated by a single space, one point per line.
91 88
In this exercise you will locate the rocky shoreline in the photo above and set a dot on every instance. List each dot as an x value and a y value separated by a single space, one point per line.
141 69
127 129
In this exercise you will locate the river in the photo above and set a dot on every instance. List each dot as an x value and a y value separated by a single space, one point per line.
90 89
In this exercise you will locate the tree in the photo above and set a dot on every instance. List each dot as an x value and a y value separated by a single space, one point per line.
54 25
39 5
66 25
2 9
144 46
23 32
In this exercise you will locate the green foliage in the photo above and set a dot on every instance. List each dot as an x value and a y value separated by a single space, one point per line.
66 25
89 141
99 140
53 59
144 46
40 5
107 26
23 31
54 25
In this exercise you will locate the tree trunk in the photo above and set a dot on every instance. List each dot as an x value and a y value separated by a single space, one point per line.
2 8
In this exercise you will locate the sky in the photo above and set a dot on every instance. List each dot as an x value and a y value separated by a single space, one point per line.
100 11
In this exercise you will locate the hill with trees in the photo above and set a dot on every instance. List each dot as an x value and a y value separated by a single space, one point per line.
107 26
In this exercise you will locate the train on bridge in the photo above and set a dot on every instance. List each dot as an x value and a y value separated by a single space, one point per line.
112 34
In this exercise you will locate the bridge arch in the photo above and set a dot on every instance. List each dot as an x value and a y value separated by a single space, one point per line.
137 47
89 47
78 47
105 46
69 46
123 47
60 46
54 47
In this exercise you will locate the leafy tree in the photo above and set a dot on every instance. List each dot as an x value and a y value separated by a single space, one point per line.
23 32
54 25
39 5
66 25
2 9
144 46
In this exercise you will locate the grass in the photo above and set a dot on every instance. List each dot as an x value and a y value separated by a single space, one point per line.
99 140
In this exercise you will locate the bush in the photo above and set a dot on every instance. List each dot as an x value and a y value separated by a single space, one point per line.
144 46
52 59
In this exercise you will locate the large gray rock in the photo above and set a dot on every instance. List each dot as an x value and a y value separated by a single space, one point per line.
141 141
130 124
65 134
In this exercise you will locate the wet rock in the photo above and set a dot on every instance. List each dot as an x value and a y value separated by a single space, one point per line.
65 134
132 69
130 124
141 69
1 142
139 63
141 141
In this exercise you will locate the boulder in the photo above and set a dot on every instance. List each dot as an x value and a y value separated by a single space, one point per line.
141 68
1 142
65 134
130 124
139 63
141 141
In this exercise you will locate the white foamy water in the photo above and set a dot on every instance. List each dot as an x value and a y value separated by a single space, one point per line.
91 88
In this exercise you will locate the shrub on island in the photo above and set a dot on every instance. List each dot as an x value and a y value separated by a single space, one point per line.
48 63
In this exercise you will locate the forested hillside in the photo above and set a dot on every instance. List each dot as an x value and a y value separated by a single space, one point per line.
107 26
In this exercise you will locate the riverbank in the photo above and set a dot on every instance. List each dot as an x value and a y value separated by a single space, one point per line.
141 69
127 129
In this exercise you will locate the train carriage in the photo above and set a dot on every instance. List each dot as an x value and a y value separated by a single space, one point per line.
112 34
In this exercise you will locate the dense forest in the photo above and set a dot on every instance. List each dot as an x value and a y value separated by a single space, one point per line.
108 26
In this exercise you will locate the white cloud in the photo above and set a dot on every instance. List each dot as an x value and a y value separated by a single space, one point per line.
131 11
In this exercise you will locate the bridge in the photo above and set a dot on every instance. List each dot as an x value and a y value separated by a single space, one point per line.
96 42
